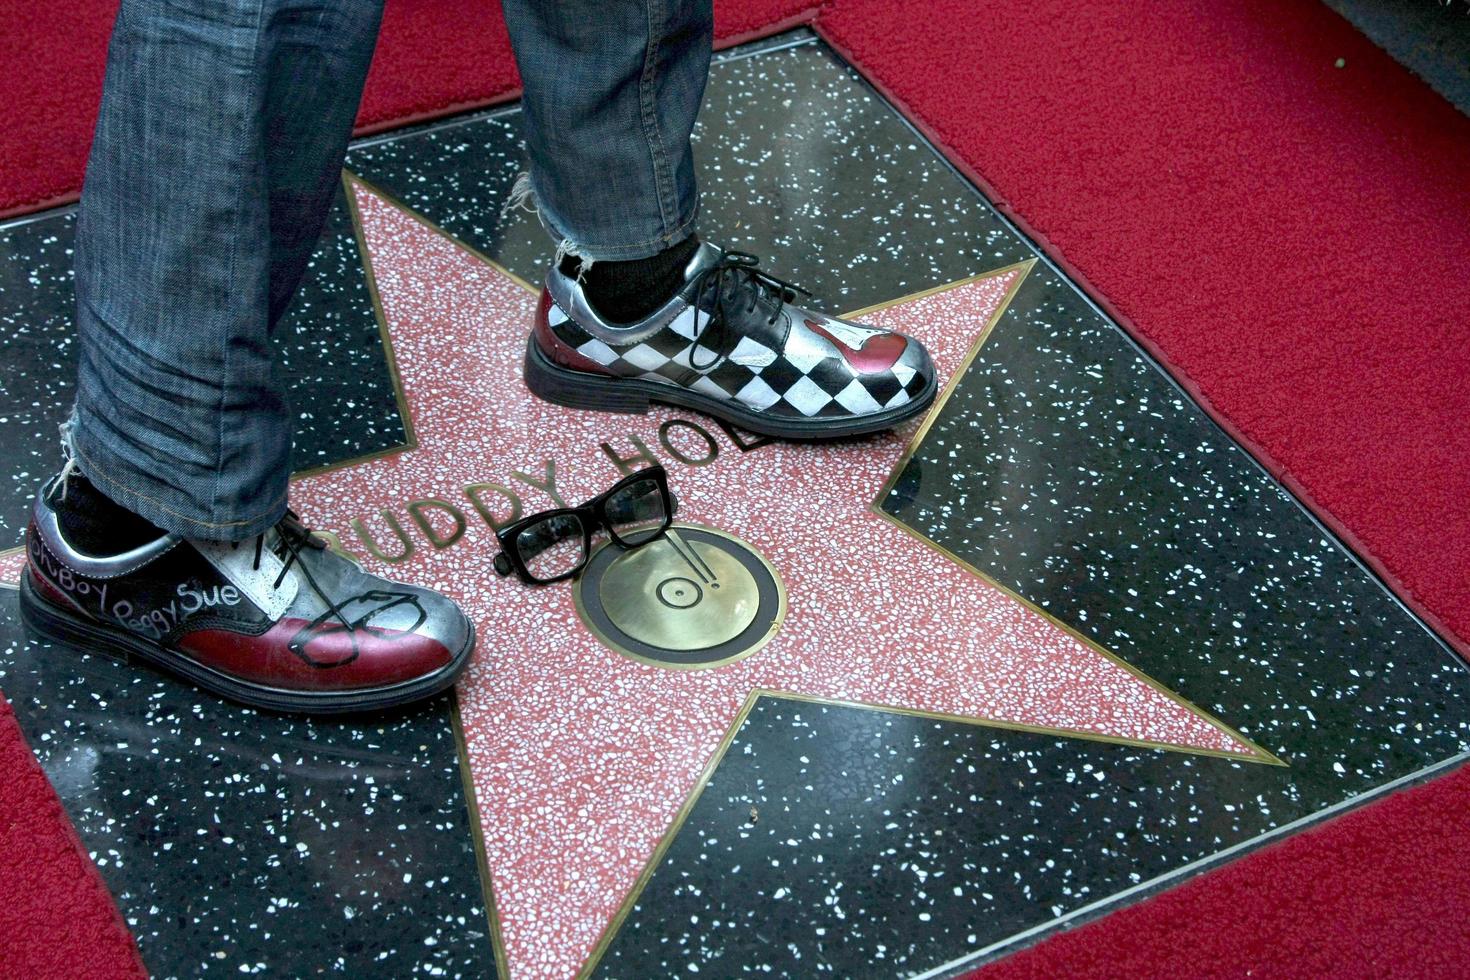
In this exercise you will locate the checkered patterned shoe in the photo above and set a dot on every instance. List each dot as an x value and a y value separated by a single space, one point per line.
730 344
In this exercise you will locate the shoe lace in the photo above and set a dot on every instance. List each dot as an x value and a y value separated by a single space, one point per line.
292 538
721 288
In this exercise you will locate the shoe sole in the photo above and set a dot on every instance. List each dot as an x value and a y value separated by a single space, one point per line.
52 623
559 385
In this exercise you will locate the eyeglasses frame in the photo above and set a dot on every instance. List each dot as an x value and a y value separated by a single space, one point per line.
592 516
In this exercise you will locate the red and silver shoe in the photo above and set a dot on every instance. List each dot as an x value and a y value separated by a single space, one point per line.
277 622
731 343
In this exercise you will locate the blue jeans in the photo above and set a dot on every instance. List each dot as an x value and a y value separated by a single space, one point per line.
217 154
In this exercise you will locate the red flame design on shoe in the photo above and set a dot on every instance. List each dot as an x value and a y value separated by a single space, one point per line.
877 354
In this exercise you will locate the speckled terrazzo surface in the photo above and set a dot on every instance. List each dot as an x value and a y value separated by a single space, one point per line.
831 840
1066 467
1109 501
555 721
836 841
239 843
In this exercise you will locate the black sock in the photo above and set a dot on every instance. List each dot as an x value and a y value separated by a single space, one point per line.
93 524
623 292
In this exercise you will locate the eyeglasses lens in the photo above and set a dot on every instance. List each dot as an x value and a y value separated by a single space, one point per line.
637 513
553 546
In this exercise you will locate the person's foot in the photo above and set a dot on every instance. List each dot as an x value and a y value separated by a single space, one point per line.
730 343
277 622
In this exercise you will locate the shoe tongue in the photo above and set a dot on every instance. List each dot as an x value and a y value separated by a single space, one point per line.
255 580
705 256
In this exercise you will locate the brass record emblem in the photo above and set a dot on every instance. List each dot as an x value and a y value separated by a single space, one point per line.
695 598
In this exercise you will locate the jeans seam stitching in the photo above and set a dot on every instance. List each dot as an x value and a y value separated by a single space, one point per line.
652 134
234 256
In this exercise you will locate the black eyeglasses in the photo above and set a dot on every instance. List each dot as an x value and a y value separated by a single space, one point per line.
554 544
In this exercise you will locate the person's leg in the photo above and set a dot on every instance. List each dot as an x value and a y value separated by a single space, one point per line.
219 146
636 309
217 150
612 89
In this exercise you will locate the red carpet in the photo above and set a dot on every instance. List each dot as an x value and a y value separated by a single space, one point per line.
57 918
1288 237
433 57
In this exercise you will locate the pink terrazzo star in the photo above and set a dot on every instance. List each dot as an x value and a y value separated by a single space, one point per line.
582 757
